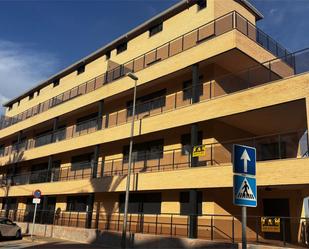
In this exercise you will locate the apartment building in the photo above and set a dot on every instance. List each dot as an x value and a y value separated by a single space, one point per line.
206 75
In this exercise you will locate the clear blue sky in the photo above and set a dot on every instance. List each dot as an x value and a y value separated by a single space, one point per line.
38 38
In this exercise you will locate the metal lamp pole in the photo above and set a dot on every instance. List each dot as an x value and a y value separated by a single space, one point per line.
125 217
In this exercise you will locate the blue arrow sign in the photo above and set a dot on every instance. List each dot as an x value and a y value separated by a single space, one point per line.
244 191
244 159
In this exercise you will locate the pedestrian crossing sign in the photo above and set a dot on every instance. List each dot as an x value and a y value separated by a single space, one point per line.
245 193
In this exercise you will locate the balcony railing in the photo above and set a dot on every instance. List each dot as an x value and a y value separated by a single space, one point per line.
223 228
226 84
272 147
191 39
85 171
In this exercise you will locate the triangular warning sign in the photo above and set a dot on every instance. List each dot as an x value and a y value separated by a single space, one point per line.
245 191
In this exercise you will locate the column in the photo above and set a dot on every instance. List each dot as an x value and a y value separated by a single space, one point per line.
89 210
195 84
100 114
55 127
95 161
49 177
194 160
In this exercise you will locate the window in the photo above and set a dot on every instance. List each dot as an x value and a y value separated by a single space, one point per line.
77 203
31 95
122 47
108 55
38 92
87 122
185 205
271 151
155 29
11 202
2 148
56 82
82 161
149 203
187 88
80 69
145 151
18 103
201 4
186 146
147 103
10 107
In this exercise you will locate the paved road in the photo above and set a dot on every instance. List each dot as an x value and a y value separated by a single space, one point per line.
46 243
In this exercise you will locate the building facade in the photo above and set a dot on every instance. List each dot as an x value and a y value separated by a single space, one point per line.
206 75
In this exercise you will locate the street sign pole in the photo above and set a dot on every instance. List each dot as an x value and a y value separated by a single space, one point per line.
33 223
244 183
244 227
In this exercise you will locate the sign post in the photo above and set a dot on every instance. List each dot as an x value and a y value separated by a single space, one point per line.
36 200
244 183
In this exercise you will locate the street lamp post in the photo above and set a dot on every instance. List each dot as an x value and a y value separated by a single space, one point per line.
126 205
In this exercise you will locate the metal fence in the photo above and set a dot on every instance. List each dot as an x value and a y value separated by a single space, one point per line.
191 39
227 228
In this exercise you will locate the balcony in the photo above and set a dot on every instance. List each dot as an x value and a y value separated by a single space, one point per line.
226 84
220 26
291 145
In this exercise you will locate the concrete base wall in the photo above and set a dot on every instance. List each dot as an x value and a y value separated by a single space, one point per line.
114 238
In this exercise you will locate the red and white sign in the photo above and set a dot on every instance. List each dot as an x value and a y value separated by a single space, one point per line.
36 201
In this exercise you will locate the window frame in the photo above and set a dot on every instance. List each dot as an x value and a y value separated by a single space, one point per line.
201 4
81 69
122 47
155 29
72 204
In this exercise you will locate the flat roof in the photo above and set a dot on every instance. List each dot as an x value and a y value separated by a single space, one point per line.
166 14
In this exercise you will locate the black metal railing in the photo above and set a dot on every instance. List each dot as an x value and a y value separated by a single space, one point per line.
226 84
217 27
214 227
271 147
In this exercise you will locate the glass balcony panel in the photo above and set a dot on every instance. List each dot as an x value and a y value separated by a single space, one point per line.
224 24
206 31
176 46
162 52
139 64
190 40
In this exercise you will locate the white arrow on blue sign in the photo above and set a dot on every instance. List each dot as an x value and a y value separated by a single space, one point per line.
244 159
244 191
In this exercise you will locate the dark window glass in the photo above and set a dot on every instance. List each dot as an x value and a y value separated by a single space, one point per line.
108 55
56 82
145 151
12 203
201 4
31 96
147 103
86 122
186 142
149 203
185 207
122 47
10 107
155 29
39 173
187 88
2 148
81 69
43 138
271 151
81 161
77 203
